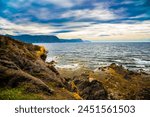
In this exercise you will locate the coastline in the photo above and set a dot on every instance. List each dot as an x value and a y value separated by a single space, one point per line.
119 82
133 56
26 75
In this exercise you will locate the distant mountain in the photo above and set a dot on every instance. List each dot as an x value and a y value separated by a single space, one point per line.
43 39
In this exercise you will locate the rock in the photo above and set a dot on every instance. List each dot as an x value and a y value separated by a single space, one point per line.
8 64
15 78
118 69
93 90
23 65
144 94
51 67
28 58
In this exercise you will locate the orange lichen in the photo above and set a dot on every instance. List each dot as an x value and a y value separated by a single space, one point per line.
41 51
73 86
76 91
77 96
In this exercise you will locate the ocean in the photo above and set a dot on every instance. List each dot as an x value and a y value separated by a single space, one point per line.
132 55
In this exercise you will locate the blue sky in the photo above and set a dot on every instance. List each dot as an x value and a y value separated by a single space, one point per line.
105 20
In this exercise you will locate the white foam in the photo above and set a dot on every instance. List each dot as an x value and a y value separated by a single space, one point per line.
120 61
49 59
72 66
139 61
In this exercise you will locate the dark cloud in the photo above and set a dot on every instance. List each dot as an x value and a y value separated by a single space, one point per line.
104 35
63 31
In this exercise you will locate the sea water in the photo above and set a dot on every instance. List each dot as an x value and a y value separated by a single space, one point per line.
132 55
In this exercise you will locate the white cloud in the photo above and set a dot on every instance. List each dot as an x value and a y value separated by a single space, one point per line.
19 3
41 13
106 31
84 30
127 2
139 16
8 27
61 3
101 11
90 14
25 3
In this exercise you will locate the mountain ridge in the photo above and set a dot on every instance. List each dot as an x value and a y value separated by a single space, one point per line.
43 39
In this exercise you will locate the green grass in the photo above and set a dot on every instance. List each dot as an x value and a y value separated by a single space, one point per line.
17 94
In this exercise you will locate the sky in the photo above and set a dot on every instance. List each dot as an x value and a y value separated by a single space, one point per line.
95 20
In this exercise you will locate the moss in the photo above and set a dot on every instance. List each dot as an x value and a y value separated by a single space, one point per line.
61 94
18 94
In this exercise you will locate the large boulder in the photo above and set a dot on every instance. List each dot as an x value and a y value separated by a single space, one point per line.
89 89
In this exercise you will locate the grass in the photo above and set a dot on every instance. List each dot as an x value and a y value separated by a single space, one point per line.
18 94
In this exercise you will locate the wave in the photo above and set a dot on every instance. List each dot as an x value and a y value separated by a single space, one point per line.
140 61
71 66
49 59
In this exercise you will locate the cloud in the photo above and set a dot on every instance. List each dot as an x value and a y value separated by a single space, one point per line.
117 31
17 4
140 16
87 19
95 14
127 2
102 35
63 31
88 30
60 3
8 27
41 13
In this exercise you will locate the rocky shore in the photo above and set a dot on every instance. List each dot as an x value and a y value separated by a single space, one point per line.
24 74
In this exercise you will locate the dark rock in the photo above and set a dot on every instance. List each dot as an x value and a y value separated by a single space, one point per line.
127 76
8 64
118 68
144 94
51 67
15 78
91 90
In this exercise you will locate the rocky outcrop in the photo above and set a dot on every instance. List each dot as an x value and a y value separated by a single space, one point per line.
23 65
88 88
93 90
121 83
